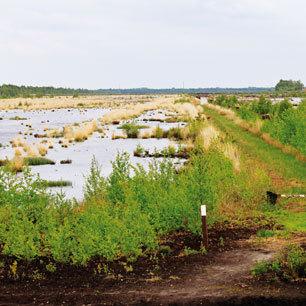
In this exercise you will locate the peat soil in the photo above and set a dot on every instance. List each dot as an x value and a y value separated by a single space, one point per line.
176 275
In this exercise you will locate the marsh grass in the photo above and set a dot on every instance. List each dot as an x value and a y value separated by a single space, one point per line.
38 161
60 183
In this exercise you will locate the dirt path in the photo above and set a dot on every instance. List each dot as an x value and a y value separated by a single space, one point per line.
224 281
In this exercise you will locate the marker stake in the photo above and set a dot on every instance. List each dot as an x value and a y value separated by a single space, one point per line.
204 227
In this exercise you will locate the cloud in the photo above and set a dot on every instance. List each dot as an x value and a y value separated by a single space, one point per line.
104 43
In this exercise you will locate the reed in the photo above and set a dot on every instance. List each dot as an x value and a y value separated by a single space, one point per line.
207 136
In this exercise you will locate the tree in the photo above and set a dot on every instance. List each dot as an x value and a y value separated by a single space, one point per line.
289 85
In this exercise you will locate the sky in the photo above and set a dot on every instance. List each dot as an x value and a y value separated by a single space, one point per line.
152 43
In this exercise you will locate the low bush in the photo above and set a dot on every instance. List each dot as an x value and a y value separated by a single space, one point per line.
288 265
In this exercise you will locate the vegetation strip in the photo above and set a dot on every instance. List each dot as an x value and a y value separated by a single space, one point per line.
252 145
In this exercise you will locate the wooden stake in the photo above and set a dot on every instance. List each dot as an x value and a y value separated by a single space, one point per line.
204 227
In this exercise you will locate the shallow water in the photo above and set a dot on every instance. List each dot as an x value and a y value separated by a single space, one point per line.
104 150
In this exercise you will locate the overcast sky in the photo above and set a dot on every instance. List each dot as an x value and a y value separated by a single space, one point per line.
152 43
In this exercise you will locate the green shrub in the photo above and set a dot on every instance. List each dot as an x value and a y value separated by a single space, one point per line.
246 113
121 216
131 129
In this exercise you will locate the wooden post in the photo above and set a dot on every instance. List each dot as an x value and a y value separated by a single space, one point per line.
204 227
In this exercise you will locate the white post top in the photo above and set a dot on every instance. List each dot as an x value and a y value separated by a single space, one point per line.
203 210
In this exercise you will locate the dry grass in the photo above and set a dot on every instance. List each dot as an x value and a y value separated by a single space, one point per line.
189 145
146 133
42 149
31 150
102 101
18 152
186 110
185 133
207 136
119 135
231 152
54 133
22 148
18 142
49 143
17 163
131 111
81 132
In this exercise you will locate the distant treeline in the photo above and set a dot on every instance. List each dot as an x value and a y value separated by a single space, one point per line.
183 90
13 91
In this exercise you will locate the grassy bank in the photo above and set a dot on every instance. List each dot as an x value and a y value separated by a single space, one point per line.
254 147
288 175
